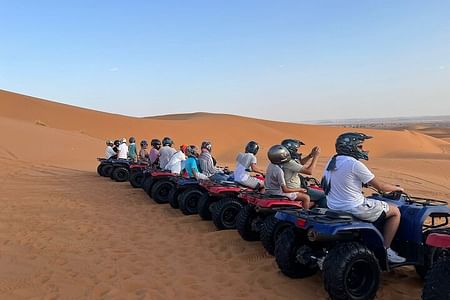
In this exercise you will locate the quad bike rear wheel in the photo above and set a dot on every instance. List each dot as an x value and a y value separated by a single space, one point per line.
189 201
351 271
120 174
99 169
160 191
107 170
247 223
271 230
225 213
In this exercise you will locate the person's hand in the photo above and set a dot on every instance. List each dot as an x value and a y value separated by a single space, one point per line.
303 191
315 151
399 189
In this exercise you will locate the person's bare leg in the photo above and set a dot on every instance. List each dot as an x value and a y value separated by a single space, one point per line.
304 198
391 225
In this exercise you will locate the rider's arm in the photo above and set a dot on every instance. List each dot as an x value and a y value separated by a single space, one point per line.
308 170
385 187
256 169
285 189
199 175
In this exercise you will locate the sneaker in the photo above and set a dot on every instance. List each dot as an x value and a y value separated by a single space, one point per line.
393 257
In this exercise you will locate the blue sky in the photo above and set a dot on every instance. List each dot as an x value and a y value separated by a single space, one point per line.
281 60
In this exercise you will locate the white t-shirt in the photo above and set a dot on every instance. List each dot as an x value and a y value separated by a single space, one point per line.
109 152
346 183
123 151
244 161
165 153
175 164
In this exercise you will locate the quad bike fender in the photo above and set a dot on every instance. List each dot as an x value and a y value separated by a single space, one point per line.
440 240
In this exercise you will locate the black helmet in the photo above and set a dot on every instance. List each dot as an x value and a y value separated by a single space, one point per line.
252 147
167 141
109 143
132 140
206 145
144 143
117 143
191 151
155 143
292 145
347 144
278 154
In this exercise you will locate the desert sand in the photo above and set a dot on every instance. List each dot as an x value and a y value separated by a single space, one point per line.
67 233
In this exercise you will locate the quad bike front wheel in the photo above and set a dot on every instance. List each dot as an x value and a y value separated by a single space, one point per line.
351 271
136 179
189 201
120 174
271 230
436 282
287 249
160 191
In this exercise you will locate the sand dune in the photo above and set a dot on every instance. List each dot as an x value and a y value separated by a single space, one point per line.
67 233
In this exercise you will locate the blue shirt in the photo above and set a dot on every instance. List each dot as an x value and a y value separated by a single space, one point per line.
191 166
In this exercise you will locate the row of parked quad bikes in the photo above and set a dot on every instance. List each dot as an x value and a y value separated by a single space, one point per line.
348 251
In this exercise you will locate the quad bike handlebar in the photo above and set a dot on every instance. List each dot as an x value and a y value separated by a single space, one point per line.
397 195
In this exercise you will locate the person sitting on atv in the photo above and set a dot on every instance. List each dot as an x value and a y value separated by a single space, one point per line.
247 161
154 152
123 150
132 151
116 146
143 153
176 162
275 184
109 151
207 164
191 165
166 152
344 177
297 165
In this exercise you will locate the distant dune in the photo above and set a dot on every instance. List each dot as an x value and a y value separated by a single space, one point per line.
228 133
69 234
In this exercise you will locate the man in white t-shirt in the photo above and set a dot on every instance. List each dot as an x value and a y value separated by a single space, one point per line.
123 150
345 176
109 151
245 161
176 162
166 152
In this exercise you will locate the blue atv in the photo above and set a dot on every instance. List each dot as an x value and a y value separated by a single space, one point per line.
350 252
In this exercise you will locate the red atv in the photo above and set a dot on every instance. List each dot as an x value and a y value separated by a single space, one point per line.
259 208
157 184
436 281
215 193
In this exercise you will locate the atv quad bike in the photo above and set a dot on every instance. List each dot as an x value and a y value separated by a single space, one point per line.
350 252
